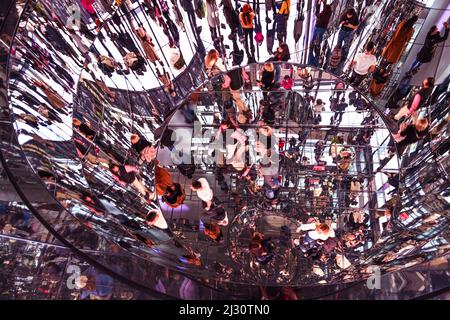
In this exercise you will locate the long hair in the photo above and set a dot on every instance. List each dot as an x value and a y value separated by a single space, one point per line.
247 10
211 57
285 49
409 24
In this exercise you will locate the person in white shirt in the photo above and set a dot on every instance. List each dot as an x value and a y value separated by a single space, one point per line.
363 64
317 234
204 192
319 231
318 107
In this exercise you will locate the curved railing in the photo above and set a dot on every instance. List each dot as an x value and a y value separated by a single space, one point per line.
9 149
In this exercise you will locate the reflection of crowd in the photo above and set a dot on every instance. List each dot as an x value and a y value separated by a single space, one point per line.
114 165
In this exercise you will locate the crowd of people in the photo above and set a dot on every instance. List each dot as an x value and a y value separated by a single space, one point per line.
118 157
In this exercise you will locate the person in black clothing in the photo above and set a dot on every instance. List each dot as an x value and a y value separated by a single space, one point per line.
349 22
340 109
57 40
390 153
188 6
144 148
411 133
402 91
282 54
84 129
419 100
323 19
267 81
393 180
231 16
234 81
357 220
318 150
426 54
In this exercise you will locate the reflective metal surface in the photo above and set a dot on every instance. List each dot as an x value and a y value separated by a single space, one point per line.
69 107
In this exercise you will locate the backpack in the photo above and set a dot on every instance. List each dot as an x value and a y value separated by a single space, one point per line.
335 58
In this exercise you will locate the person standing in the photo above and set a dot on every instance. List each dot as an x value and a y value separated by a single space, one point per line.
267 81
147 44
323 19
231 17
281 55
234 80
426 54
418 101
363 64
188 7
338 113
281 19
204 191
212 14
246 18
318 107
394 49
349 23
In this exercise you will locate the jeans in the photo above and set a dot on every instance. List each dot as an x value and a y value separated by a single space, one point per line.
344 39
314 53
416 65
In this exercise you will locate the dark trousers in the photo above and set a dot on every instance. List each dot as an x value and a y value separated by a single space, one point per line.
248 40
356 78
